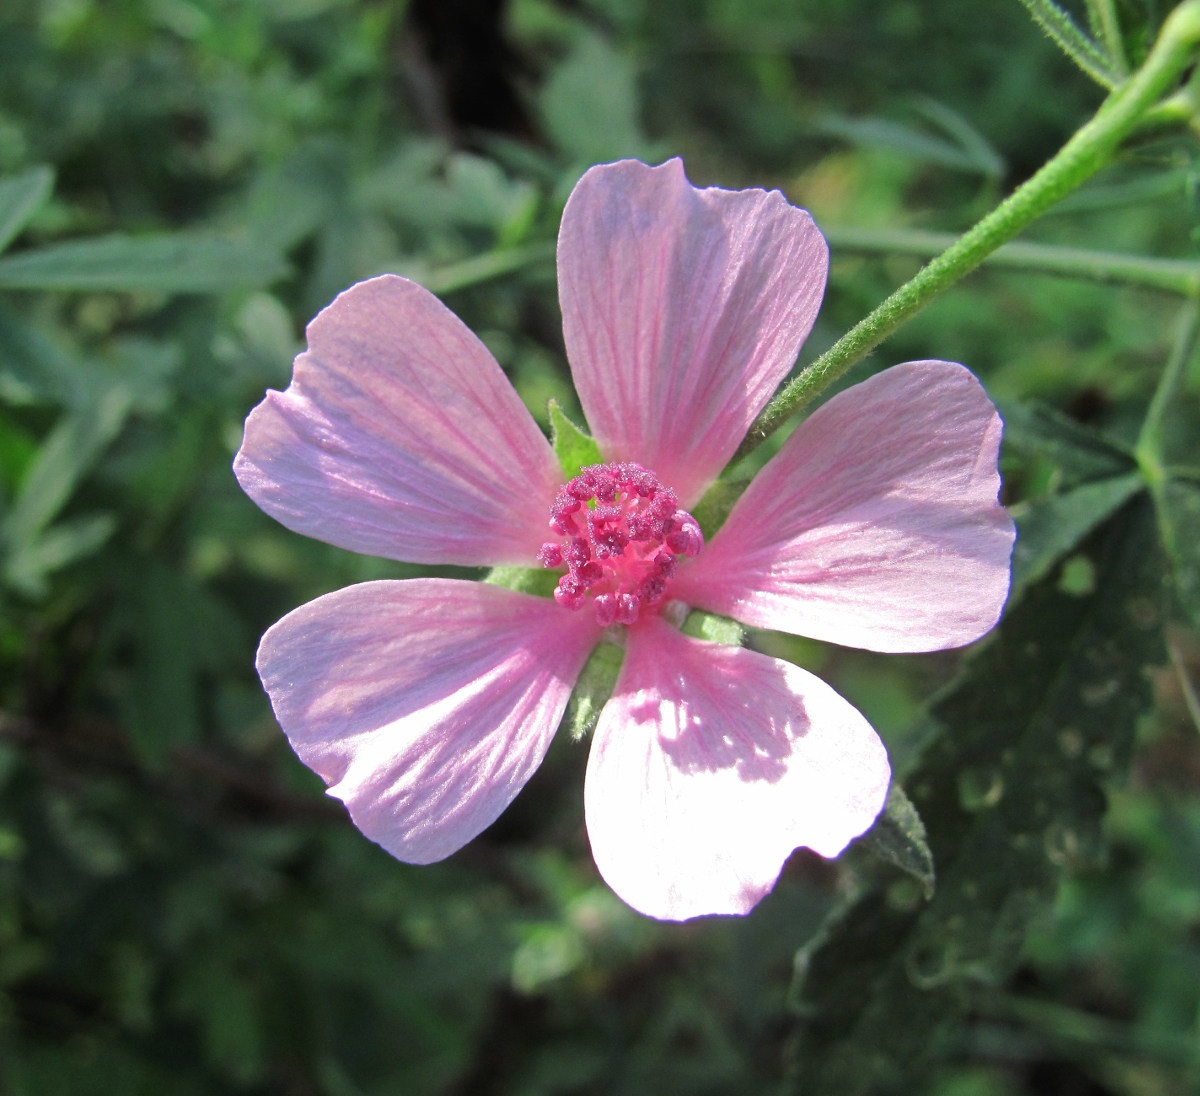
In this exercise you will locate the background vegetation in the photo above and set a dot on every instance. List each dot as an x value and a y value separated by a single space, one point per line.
183 184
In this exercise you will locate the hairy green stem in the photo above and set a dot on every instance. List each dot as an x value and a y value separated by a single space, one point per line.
1086 152
1107 28
1063 32
1180 276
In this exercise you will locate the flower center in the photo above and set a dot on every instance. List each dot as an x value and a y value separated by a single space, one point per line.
622 536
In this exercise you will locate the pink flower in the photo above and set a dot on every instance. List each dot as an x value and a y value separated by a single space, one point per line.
427 703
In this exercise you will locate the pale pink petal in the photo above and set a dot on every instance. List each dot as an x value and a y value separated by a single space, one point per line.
400 436
711 764
877 523
425 704
682 310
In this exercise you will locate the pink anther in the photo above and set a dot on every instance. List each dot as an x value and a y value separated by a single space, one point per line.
622 537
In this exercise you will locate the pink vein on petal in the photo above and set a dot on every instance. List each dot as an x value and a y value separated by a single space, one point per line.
876 525
711 764
399 436
682 310
425 704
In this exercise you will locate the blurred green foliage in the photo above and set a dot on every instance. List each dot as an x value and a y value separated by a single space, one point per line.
183 184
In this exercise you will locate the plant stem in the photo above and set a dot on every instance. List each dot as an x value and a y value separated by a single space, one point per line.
1105 25
1063 32
486 267
1190 698
1180 276
1148 449
1091 148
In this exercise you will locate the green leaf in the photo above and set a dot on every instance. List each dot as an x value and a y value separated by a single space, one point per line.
64 543
158 264
978 151
956 153
1061 29
1011 796
32 369
177 635
898 836
66 456
228 1016
589 104
482 268
20 198
1047 530
574 448
1076 452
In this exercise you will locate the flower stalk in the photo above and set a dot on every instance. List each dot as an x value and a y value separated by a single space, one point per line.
1091 148
1178 276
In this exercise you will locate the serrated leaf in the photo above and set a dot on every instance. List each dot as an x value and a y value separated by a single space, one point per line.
1080 453
898 836
1011 796
1049 529
574 448
20 198
176 263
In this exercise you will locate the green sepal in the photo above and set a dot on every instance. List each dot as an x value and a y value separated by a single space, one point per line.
574 448
898 836
592 690
525 580
712 510
714 628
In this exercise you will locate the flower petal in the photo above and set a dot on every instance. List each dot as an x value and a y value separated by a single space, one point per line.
876 525
682 309
425 704
711 764
400 436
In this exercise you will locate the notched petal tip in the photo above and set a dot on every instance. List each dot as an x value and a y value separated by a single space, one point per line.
400 436
711 764
424 704
877 525
683 308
